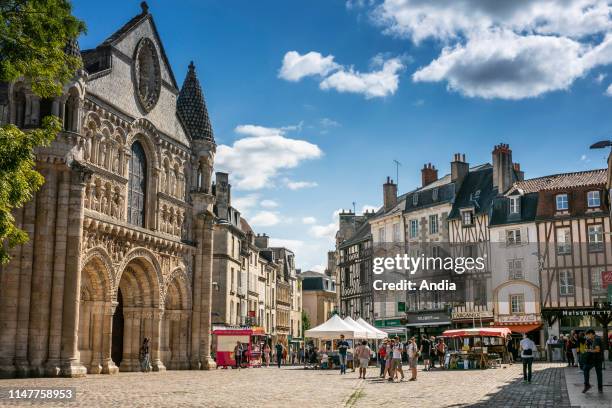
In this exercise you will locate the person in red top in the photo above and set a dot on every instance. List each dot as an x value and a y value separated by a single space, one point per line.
382 357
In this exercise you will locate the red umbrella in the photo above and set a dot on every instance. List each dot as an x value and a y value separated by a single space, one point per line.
482 331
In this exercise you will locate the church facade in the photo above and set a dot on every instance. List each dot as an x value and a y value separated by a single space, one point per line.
121 232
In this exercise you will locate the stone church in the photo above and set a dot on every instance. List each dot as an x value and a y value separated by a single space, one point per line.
121 232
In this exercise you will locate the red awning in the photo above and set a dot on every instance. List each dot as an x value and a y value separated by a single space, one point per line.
482 331
524 328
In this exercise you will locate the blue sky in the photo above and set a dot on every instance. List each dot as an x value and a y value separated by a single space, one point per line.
384 80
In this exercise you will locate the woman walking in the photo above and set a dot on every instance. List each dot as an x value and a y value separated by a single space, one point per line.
267 354
145 358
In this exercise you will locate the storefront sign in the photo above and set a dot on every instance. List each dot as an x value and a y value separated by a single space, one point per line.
606 278
417 319
578 312
524 318
472 315
388 323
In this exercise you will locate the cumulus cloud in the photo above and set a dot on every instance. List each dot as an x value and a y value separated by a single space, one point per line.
269 204
309 220
327 231
265 219
381 81
256 160
298 185
374 84
296 66
504 49
245 203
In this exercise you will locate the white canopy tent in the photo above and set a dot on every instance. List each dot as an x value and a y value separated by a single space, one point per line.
332 329
376 332
360 331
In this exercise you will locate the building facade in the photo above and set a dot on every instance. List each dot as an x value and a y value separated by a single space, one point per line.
121 232
318 296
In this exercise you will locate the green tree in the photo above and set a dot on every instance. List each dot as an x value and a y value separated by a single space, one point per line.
305 322
33 38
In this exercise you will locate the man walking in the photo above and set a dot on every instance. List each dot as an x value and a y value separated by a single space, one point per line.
342 350
425 351
528 348
279 354
238 355
413 357
593 358
396 365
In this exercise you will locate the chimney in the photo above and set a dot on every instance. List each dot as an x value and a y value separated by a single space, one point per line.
389 194
429 174
262 241
502 168
520 175
223 195
459 169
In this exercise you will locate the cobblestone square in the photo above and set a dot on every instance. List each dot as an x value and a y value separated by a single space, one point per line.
293 386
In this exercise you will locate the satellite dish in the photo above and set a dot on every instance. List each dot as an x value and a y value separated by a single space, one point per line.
601 145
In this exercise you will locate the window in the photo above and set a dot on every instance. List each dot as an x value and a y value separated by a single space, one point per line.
467 217
433 224
347 277
513 237
434 194
593 199
401 306
596 284
515 205
517 303
480 293
515 269
562 203
595 238
137 186
415 199
414 228
563 241
381 235
396 232
566 283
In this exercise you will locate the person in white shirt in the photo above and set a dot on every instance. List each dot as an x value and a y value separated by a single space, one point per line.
528 349
396 365
413 357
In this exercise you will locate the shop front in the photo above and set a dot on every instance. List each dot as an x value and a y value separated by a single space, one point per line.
463 320
393 327
430 323
530 323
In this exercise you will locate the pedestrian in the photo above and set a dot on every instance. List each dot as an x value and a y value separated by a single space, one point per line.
389 359
267 354
441 350
145 358
382 353
425 351
279 353
509 350
396 366
528 349
433 352
238 355
342 351
593 359
568 351
364 358
301 355
413 358
574 347
581 350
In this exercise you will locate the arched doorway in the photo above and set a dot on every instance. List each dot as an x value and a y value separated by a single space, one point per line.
95 313
176 324
140 315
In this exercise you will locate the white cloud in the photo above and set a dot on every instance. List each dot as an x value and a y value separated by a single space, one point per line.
374 84
296 66
324 231
265 219
368 207
269 204
297 185
245 203
256 160
609 90
600 77
329 123
309 220
504 49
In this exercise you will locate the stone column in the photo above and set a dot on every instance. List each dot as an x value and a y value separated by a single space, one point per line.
71 367
52 367
127 362
183 336
204 258
136 339
98 335
108 365
156 322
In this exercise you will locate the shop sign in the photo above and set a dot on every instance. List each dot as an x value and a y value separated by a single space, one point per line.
388 323
426 318
524 318
472 315
606 278
578 312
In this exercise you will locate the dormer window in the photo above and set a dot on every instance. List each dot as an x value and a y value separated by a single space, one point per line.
562 203
593 199
467 217
515 205
415 199
434 194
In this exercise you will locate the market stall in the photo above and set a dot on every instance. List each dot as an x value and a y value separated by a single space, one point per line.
475 348
332 329
225 340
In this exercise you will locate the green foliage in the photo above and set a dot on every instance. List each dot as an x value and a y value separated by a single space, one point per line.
33 38
305 321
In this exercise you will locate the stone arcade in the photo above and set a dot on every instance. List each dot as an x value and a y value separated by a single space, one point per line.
121 232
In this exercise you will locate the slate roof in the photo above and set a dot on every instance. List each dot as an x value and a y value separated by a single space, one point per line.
191 108
500 210
563 180
476 191
443 187
244 226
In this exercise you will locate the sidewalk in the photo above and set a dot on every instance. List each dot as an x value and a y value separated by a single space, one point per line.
575 383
